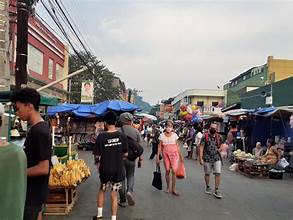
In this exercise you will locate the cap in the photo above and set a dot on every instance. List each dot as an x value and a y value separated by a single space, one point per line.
126 117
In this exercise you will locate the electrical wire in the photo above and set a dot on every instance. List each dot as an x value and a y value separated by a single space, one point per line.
61 28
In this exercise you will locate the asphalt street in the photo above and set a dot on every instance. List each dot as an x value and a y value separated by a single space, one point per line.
243 198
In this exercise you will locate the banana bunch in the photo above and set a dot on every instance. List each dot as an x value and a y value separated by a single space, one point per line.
71 174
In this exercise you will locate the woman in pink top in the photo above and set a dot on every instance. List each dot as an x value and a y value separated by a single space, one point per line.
169 148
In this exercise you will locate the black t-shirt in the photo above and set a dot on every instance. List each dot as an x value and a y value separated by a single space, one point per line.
111 146
38 147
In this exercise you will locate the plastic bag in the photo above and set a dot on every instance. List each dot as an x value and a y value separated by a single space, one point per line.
283 163
233 167
180 173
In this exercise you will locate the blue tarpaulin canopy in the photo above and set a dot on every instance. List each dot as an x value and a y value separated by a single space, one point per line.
94 110
114 105
62 108
266 111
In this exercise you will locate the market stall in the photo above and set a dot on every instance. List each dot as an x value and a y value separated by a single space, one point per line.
63 182
249 165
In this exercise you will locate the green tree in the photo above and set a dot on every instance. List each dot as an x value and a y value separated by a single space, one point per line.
101 76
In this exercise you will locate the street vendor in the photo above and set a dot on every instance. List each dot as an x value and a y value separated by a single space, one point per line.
272 155
258 150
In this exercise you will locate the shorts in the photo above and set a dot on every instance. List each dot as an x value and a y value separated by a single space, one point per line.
32 212
171 160
114 186
216 167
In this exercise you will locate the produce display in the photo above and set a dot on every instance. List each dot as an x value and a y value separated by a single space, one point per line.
242 154
70 174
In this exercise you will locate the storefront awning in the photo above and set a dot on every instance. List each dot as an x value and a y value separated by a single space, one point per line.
231 107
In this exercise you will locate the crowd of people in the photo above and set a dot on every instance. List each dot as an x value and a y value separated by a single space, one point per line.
24 190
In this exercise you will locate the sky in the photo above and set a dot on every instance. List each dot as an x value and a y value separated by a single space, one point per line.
163 47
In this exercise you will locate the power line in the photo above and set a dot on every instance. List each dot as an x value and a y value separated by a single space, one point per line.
89 56
61 28
72 20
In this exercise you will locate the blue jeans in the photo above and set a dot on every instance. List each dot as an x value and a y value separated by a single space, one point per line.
129 168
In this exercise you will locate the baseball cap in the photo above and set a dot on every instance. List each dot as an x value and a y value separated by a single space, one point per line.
126 117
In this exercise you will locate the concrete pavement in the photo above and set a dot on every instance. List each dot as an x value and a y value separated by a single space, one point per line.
244 198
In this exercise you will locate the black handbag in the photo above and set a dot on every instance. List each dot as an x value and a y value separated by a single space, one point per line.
157 179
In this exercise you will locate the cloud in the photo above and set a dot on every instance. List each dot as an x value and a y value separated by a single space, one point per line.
165 47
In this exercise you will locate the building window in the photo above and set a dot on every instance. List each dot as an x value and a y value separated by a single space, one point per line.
35 59
50 69
200 103
215 104
59 71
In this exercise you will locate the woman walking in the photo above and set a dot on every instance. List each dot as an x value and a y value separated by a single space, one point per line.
169 148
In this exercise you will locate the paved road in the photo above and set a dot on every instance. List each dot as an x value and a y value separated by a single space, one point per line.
244 198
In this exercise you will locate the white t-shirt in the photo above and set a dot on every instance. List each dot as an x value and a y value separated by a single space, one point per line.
168 140
198 138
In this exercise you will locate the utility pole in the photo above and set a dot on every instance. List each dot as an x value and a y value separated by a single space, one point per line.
21 45
24 7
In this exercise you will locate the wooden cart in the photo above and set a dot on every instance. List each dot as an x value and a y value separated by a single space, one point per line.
60 200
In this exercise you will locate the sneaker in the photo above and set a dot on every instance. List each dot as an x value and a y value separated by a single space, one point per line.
97 218
208 191
218 194
122 204
130 199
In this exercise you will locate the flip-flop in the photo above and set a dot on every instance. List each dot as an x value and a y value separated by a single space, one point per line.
175 193
167 191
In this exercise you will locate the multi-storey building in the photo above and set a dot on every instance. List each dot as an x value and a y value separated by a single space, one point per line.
207 100
273 71
47 56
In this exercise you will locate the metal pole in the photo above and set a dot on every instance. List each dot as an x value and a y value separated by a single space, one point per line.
63 78
94 71
59 80
69 96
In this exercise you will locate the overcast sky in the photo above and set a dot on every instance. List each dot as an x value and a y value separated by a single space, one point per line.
163 47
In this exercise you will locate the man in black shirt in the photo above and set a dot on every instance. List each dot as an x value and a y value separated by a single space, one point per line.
111 149
37 147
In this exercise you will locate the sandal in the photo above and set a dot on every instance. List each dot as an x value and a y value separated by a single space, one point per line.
167 191
175 193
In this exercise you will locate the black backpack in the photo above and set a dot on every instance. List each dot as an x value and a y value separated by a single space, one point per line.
135 150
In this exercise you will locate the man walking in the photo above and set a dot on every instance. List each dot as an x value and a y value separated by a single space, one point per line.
111 148
37 147
126 192
210 158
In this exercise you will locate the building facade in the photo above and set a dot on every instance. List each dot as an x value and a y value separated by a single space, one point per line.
275 94
273 71
47 56
207 100
4 46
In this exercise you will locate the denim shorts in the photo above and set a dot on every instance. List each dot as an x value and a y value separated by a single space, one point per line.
216 167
